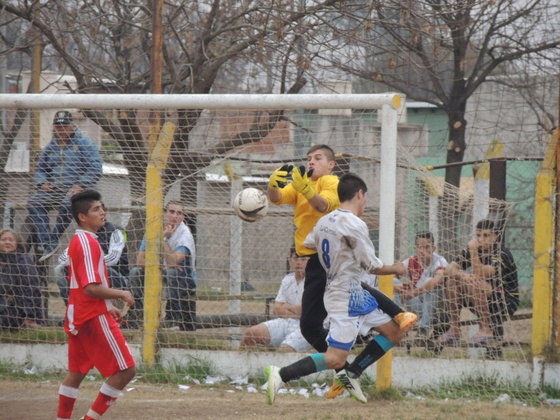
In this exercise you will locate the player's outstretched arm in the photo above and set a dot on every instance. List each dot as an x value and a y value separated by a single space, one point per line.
278 180
396 269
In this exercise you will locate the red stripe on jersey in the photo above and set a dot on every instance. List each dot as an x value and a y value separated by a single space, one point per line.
87 266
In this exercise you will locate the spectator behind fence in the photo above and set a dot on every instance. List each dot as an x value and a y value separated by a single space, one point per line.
179 276
283 332
20 285
489 286
66 166
424 272
113 243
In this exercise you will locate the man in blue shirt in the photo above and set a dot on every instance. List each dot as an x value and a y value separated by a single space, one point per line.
69 164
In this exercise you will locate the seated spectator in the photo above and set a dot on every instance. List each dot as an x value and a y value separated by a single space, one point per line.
66 166
20 285
283 332
113 243
179 276
489 286
424 272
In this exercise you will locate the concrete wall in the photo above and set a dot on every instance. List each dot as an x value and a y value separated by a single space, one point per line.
408 372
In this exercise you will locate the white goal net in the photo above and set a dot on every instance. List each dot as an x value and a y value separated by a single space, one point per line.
216 150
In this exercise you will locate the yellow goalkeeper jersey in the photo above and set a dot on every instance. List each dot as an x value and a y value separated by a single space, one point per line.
305 216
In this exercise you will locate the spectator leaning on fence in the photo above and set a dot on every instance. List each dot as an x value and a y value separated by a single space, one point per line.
113 243
484 278
20 285
424 270
283 332
179 275
66 166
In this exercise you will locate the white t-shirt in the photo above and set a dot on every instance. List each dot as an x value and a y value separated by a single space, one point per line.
290 291
346 252
180 240
418 273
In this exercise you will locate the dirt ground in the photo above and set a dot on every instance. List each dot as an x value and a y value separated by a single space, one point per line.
34 400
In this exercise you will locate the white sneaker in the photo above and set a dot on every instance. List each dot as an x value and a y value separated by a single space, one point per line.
274 383
352 385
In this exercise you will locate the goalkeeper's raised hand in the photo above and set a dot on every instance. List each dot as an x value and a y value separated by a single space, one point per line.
301 181
278 177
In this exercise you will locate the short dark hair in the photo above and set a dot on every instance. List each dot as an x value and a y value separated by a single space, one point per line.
486 224
426 234
327 149
349 185
175 202
82 201
293 251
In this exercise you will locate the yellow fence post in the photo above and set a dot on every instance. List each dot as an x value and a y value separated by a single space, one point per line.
154 227
384 369
544 251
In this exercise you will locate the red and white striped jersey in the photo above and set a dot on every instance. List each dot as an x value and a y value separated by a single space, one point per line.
86 266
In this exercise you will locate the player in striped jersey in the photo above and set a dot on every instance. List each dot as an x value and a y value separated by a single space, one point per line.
94 337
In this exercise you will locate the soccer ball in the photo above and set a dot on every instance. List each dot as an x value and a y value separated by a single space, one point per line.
251 204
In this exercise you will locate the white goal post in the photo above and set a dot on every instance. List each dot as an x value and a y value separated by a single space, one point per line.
207 149
389 103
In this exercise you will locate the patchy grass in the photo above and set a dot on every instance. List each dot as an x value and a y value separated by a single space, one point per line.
50 335
178 373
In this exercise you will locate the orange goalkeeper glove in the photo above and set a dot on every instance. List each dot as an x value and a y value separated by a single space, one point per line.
301 181
278 177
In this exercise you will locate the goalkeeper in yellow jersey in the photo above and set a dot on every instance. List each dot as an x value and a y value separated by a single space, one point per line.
313 193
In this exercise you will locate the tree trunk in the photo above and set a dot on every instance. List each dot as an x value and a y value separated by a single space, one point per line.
449 205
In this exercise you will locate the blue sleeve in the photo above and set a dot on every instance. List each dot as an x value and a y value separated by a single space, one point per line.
42 168
183 249
93 165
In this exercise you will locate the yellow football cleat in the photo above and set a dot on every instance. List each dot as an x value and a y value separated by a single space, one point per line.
335 390
406 320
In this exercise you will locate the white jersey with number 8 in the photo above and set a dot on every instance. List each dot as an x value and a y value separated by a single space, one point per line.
346 252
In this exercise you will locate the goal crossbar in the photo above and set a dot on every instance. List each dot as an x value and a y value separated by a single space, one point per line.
231 101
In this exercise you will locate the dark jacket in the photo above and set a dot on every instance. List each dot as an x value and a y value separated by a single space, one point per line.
20 288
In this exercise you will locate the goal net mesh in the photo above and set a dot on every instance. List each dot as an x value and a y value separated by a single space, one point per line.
239 265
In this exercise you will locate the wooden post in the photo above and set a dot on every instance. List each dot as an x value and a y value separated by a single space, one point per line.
158 146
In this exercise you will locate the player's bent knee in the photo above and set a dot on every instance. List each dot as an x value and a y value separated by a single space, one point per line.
129 373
